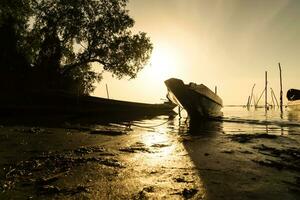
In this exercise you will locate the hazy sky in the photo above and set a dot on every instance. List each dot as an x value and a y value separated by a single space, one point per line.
228 43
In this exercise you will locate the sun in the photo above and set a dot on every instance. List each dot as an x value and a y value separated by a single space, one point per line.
163 63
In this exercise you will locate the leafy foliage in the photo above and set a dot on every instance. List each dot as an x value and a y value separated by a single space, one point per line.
59 40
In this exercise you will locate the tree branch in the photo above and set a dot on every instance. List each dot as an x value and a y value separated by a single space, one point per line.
67 68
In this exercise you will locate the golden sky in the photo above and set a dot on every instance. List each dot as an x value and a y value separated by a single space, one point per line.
224 43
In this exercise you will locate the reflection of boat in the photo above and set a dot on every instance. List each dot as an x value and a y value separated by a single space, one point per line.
293 95
197 100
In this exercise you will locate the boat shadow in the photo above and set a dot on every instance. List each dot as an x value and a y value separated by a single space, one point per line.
204 127
201 143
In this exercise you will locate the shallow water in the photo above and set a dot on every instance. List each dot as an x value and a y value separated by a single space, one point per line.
159 158
228 167
242 120
238 119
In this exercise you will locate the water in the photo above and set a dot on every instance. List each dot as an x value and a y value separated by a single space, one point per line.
241 120
238 119
159 158
242 152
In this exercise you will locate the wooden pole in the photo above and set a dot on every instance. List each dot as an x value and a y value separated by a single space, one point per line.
274 97
273 105
280 88
266 90
216 89
107 91
259 97
251 95
248 103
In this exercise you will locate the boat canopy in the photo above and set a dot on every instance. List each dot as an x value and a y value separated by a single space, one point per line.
293 94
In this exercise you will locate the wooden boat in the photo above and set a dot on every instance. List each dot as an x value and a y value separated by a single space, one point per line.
197 100
64 103
293 96
98 105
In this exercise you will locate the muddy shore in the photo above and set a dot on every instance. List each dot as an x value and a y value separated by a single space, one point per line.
246 166
160 158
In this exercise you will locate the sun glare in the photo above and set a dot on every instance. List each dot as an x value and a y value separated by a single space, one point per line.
162 64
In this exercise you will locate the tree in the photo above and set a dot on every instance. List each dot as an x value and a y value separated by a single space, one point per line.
63 38
13 63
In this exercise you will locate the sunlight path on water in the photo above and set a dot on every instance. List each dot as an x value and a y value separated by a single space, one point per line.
160 165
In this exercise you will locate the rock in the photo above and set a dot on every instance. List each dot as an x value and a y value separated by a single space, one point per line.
189 193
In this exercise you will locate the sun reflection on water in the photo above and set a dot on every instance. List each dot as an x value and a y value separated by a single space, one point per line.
155 138
161 144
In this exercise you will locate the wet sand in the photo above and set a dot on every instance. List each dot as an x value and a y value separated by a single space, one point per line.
151 159
100 162
246 166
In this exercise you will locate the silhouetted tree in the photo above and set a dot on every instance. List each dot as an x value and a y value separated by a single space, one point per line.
13 27
63 38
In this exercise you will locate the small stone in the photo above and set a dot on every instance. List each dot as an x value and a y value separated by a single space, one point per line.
189 193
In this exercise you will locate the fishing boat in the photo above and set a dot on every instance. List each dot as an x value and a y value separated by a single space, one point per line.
65 103
198 100
293 96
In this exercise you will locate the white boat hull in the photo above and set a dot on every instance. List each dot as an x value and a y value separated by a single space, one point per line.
197 100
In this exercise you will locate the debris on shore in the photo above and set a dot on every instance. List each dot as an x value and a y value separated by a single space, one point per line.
45 169
245 138
287 158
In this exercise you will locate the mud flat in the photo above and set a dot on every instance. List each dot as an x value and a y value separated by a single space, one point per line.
246 165
112 161
160 158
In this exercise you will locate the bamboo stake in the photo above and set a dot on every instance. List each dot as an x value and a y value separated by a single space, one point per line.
107 91
251 95
260 97
266 90
248 102
273 105
280 88
273 93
